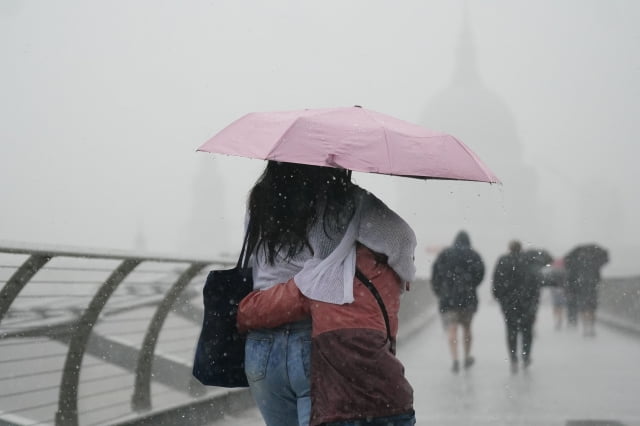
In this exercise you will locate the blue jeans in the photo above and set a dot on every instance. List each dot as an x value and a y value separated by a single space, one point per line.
277 363
407 419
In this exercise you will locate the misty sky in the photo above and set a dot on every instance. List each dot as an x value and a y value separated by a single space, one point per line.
103 104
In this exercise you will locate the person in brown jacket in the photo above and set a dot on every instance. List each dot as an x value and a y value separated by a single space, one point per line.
355 374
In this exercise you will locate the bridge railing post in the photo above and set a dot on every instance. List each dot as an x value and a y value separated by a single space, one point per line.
67 414
19 279
141 399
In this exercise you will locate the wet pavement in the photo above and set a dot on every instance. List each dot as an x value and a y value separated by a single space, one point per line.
573 380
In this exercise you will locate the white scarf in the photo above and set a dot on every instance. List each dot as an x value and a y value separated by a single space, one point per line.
331 279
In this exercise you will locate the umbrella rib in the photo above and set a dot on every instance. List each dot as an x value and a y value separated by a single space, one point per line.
384 131
281 138
476 160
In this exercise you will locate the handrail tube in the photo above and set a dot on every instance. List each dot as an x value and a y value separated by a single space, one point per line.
141 399
55 251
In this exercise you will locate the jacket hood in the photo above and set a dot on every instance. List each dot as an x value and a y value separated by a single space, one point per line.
462 240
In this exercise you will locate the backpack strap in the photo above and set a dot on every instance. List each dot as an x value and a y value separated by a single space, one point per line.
372 288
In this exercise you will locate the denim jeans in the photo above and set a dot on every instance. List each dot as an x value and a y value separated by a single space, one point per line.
277 363
407 419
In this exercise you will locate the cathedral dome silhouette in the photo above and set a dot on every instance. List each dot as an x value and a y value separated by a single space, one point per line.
475 114
479 117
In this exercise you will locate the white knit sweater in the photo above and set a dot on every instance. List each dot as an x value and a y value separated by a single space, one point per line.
328 275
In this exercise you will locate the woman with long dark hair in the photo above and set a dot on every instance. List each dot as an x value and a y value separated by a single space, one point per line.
305 222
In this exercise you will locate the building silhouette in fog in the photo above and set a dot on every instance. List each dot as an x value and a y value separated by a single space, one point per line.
476 115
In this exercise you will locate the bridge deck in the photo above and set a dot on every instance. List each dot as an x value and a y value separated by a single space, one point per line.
571 379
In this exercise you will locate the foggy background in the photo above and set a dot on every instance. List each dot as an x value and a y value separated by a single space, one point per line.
103 104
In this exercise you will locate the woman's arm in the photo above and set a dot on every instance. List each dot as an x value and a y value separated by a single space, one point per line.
384 231
278 305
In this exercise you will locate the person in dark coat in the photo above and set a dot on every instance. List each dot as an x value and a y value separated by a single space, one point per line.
457 272
583 265
517 280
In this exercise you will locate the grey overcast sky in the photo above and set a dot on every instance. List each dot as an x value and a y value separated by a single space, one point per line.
103 104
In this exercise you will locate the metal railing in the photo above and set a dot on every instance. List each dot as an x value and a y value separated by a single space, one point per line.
106 338
619 303
90 337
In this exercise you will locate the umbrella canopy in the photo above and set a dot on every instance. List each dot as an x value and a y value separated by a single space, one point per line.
587 256
352 138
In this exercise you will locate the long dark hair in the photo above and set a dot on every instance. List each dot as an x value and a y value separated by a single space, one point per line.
286 201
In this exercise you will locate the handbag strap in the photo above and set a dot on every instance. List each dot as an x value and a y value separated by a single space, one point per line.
372 288
243 260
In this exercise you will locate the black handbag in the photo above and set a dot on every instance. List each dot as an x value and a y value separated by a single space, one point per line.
219 358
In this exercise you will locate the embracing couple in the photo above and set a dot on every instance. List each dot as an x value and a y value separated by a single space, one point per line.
330 262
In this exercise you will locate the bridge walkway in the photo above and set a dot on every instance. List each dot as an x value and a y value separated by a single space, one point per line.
573 380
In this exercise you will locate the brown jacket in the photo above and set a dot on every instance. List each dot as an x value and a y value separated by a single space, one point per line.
353 372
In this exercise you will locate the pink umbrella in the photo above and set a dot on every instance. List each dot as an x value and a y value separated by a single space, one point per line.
352 138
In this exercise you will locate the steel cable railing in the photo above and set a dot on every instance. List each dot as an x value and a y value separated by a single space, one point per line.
107 338
56 306
619 303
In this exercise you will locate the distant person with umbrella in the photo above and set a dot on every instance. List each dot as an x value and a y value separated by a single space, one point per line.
583 265
457 272
517 280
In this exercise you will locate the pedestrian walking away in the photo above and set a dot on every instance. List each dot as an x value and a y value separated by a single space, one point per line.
583 265
456 274
517 280
555 278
